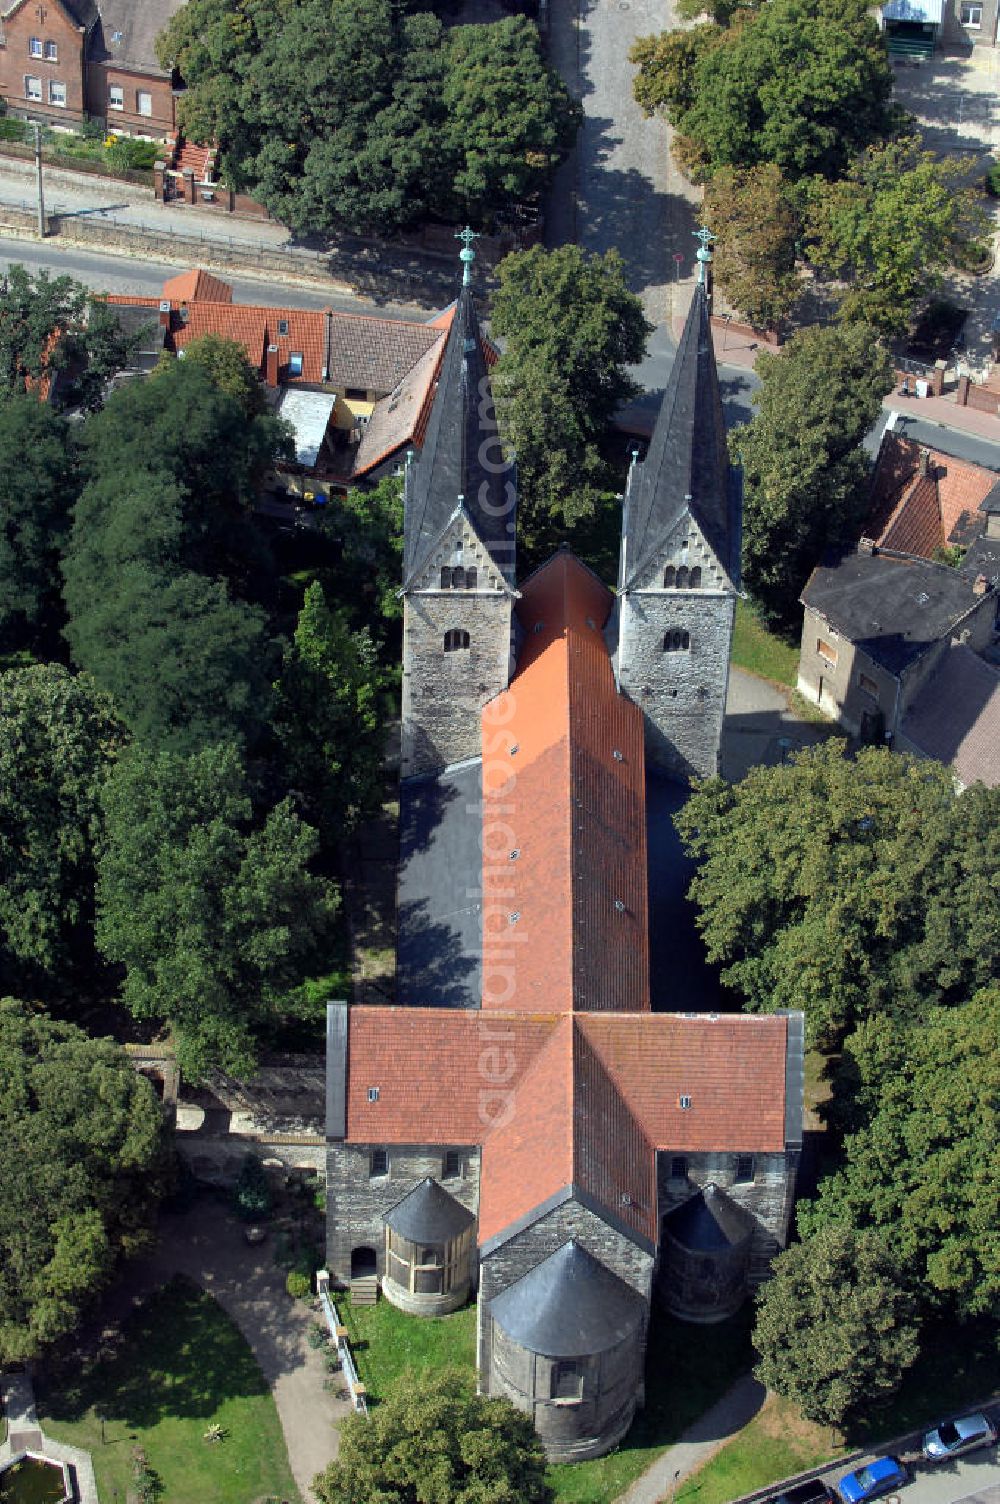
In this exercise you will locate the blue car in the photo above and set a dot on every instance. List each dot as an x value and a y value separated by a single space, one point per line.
879 1477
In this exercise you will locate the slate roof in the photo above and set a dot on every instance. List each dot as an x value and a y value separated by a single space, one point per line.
569 1306
461 462
126 30
982 558
439 909
991 502
575 802
892 609
687 463
429 1215
955 717
709 1221
920 504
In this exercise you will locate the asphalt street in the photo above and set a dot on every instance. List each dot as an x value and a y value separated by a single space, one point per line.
975 1479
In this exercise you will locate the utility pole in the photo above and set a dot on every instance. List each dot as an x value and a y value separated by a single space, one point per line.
38 174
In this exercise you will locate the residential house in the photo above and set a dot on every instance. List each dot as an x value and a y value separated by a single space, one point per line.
540 1115
924 501
955 717
876 627
64 60
357 389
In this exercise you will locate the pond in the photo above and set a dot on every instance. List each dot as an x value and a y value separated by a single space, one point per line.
32 1481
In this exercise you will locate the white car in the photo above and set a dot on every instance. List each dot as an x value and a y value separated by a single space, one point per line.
955 1437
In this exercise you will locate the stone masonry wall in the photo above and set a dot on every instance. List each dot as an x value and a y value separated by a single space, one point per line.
444 692
682 693
769 1196
515 1258
356 1203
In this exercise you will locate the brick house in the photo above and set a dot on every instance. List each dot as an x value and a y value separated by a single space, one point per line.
876 627
532 1116
62 60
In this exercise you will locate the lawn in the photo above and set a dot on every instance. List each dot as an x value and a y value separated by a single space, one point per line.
387 1343
687 1370
761 652
181 1366
776 1444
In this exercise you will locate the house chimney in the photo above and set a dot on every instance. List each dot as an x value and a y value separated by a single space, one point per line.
980 585
328 343
271 366
925 462
165 313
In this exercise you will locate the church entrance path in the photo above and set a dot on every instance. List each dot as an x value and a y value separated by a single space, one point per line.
207 1245
737 1408
619 186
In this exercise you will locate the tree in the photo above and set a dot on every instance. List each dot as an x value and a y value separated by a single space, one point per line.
228 368
59 739
847 888
327 717
892 225
666 80
440 1443
425 121
38 483
805 472
51 325
368 527
756 228
83 1154
802 85
510 118
836 1325
922 1156
571 328
216 920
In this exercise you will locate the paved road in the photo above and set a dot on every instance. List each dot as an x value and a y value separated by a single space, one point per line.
963 446
975 1479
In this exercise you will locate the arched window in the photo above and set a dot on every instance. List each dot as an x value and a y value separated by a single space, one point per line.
458 578
445 577
676 642
696 577
455 639
682 577
471 578
669 577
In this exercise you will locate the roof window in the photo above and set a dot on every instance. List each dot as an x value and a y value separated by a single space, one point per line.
282 326
373 1093
295 363
684 1102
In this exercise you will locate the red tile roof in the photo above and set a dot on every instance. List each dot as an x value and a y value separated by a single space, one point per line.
189 287
401 418
922 499
565 922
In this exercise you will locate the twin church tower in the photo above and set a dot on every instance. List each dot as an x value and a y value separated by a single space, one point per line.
670 631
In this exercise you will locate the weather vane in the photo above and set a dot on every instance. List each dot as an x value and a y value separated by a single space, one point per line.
703 254
466 255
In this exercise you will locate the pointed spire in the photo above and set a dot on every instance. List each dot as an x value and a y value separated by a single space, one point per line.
462 463
703 254
466 255
687 467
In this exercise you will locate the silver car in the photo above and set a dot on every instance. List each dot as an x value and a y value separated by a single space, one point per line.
955 1437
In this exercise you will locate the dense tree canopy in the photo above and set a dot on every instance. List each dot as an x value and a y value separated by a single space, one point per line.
570 328
805 472
59 738
847 888
226 363
800 85
837 1325
896 220
328 717
437 1443
53 327
922 1154
367 114
756 228
216 920
82 1156
38 484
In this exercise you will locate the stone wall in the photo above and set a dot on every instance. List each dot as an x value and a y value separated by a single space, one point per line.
769 1196
356 1203
682 692
444 692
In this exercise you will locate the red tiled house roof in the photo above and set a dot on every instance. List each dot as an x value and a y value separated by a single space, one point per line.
922 500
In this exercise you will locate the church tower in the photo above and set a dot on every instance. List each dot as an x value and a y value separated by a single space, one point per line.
459 520
679 569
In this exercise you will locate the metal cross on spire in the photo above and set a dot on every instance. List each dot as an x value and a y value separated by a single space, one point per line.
466 255
703 254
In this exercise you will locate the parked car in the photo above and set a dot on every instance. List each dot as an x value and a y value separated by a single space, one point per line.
955 1437
813 1492
878 1477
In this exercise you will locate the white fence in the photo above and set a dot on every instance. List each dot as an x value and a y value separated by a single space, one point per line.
338 1336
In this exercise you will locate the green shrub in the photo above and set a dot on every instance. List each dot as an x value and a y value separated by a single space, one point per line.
298 1284
252 1195
13 130
993 181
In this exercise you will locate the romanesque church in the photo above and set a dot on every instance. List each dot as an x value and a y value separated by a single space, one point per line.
548 1118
